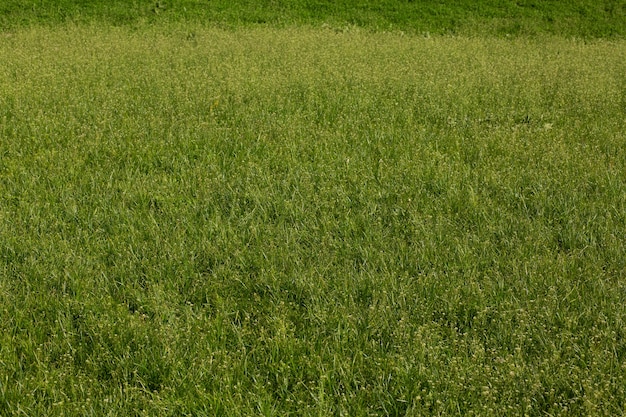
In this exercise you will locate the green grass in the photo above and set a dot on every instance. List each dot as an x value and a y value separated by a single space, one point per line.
580 18
301 221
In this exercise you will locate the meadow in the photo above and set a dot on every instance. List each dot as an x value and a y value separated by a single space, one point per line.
310 220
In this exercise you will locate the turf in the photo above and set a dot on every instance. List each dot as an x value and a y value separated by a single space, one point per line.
305 221
580 18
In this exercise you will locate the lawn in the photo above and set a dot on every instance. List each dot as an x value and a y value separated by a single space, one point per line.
310 220
577 18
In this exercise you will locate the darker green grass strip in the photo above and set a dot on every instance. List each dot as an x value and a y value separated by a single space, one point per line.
582 18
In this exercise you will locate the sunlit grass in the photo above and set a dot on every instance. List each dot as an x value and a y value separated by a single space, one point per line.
300 221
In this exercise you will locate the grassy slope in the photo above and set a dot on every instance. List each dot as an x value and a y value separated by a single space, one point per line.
301 221
586 18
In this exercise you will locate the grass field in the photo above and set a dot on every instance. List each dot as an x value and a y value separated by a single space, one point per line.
579 18
310 220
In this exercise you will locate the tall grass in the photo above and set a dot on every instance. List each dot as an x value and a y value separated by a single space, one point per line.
299 221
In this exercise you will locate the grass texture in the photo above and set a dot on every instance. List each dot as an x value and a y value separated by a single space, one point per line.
302 221
579 18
